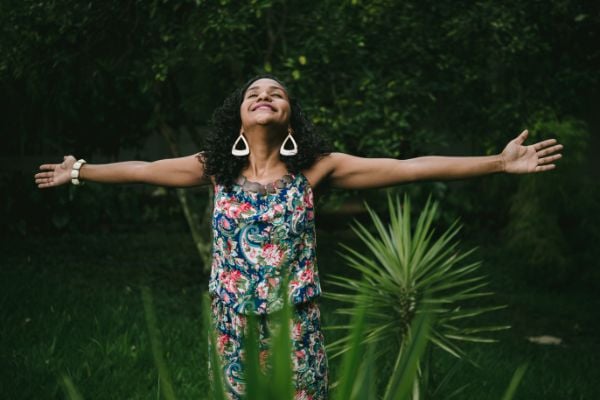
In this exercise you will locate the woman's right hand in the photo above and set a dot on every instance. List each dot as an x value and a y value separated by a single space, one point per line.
55 174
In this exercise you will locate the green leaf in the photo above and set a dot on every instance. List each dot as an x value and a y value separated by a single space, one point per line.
514 382
70 388
217 388
255 380
352 357
405 370
166 385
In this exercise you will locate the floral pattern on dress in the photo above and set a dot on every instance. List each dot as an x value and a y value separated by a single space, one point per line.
309 360
258 239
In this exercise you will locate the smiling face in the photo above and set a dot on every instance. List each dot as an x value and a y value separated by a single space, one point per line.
265 102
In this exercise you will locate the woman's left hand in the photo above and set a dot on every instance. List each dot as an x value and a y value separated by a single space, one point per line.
538 157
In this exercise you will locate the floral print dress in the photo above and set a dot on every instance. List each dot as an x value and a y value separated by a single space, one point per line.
257 240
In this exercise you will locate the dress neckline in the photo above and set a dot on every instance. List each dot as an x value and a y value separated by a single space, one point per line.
270 188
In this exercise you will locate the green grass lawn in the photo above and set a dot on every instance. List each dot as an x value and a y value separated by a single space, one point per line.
71 305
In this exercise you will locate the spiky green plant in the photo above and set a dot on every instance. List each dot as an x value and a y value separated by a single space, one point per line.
400 265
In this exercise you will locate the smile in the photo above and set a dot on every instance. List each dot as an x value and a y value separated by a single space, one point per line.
263 106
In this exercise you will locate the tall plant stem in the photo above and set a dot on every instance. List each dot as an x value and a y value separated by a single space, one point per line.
198 228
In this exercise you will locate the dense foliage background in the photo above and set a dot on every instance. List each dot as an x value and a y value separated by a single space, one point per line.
382 78
115 80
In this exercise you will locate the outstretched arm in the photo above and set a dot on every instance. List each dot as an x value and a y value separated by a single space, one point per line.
178 172
350 172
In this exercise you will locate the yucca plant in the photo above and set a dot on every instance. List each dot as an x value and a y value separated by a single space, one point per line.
401 264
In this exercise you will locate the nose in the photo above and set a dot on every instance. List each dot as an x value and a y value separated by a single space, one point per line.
264 95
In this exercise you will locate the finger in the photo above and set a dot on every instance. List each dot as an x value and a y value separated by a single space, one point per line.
543 144
547 160
521 138
44 174
542 168
45 185
48 167
549 150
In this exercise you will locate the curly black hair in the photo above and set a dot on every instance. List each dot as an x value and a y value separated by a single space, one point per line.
224 130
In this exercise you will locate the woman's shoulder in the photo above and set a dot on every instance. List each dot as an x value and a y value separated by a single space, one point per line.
323 167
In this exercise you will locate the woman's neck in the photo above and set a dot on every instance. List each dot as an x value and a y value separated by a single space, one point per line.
264 164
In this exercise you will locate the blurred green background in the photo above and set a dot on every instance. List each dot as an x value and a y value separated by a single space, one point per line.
118 80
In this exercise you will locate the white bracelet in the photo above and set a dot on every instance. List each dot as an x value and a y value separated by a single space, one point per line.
75 172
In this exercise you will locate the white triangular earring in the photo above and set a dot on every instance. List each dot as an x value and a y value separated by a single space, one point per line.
240 152
291 152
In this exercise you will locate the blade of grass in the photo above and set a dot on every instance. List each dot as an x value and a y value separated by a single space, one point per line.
351 358
72 392
255 385
514 382
405 371
365 385
157 350
281 388
217 389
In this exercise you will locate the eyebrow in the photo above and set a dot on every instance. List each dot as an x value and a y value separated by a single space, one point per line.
270 87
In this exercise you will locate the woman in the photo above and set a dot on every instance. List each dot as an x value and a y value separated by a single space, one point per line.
264 160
